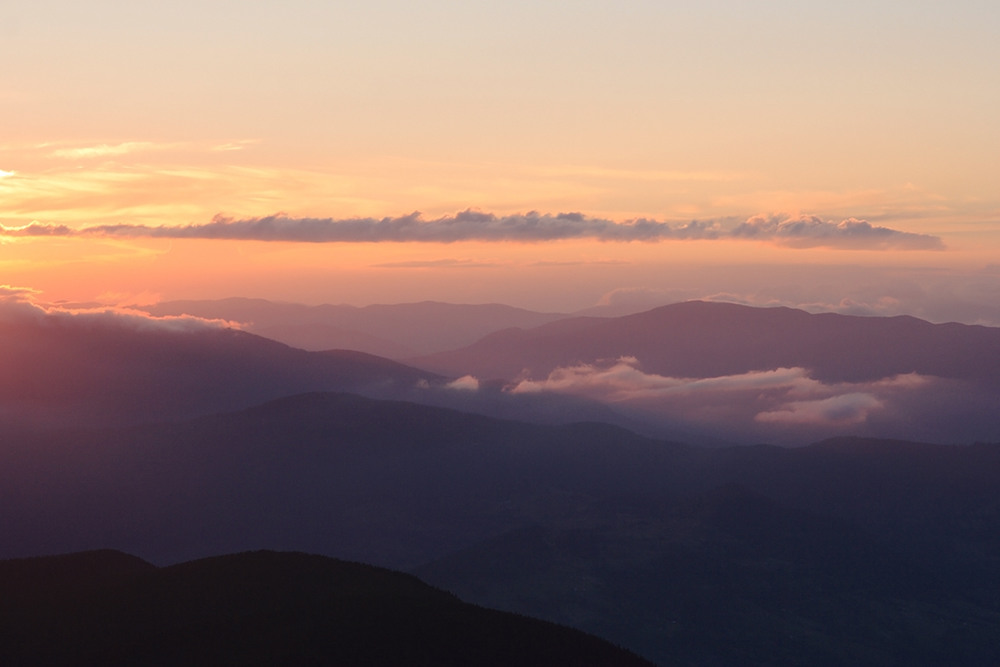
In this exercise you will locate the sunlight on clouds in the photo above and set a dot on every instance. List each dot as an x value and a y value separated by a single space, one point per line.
151 195
606 173
105 150
464 383
130 187
128 299
852 408
19 304
781 395
234 145
186 183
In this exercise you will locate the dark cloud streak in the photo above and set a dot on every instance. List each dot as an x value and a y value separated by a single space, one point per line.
796 232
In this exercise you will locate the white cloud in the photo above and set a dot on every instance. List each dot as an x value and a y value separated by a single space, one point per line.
781 395
18 304
104 150
464 383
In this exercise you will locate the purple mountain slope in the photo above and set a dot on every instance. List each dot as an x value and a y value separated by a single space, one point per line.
395 331
67 371
748 375
702 339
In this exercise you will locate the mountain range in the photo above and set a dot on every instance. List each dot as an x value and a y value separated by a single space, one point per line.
396 331
174 439
699 339
703 372
663 548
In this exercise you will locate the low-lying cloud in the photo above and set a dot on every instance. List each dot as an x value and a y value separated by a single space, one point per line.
779 396
20 304
469 225
464 383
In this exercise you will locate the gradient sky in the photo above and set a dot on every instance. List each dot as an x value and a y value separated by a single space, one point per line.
744 134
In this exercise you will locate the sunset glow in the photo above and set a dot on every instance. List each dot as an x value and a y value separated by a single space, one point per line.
877 115
672 328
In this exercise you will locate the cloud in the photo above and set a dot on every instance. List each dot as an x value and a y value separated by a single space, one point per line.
604 174
20 304
11 291
104 150
234 145
464 383
37 229
844 409
811 231
436 264
624 380
469 225
779 396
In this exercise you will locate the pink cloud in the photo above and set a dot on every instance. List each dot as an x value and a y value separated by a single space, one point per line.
777 396
464 383
22 304
844 409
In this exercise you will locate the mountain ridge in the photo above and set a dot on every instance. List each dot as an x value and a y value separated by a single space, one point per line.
582 524
689 339
260 608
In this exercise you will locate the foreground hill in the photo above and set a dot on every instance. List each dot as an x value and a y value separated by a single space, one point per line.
851 551
262 608
395 331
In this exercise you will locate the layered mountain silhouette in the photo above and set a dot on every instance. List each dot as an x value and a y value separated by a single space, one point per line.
176 439
103 370
261 608
395 331
98 369
851 550
698 339
699 372
748 375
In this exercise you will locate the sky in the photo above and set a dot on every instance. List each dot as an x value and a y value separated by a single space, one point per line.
551 155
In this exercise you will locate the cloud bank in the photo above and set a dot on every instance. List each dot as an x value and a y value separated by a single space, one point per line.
782 396
469 225
19 304
811 231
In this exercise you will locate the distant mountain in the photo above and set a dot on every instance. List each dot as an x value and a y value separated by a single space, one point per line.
848 551
770 374
261 608
394 331
102 370
697 339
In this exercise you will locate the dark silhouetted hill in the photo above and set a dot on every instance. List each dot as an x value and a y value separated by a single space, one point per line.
261 608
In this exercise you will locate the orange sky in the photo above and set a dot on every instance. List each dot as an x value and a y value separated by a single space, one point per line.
140 114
